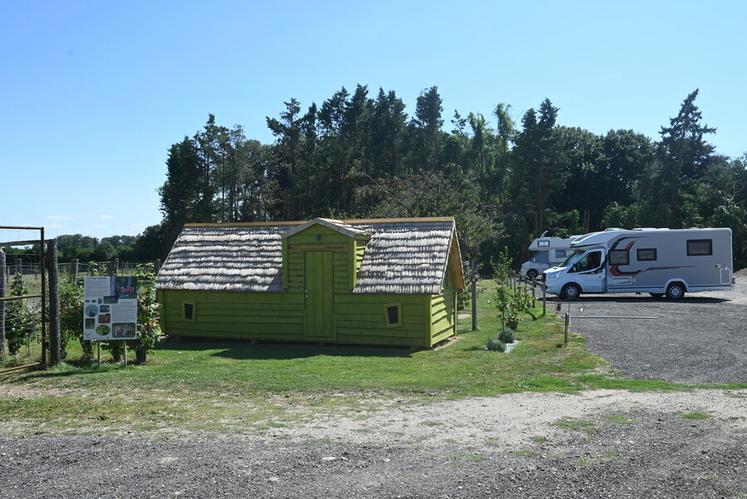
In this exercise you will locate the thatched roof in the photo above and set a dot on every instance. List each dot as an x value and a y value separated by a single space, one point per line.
403 256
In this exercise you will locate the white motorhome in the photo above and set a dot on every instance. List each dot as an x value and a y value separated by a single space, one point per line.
547 251
661 262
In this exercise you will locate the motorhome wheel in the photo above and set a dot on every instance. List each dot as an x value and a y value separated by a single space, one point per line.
570 291
532 274
675 291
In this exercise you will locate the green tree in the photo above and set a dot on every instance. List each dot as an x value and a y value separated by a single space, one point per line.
287 132
180 193
684 156
427 125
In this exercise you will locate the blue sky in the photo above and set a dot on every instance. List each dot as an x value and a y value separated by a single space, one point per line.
93 93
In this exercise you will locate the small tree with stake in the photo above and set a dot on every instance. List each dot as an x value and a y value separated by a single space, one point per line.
148 324
503 294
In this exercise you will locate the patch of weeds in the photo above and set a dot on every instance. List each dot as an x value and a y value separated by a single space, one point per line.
431 423
619 419
695 415
475 457
538 439
610 455
577 425
526 453
586 462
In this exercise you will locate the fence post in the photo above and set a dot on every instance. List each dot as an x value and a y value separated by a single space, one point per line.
44 295
54 303
2 303
565 332
115 266
475 325
544 299
76 268
157 265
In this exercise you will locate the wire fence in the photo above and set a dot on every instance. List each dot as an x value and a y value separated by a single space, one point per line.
78 269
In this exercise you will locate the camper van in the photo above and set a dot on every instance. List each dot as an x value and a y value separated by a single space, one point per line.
660 262
547 251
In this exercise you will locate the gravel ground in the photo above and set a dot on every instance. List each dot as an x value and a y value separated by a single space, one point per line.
699 339
624 445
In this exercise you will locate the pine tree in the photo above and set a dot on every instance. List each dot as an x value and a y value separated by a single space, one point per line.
684 155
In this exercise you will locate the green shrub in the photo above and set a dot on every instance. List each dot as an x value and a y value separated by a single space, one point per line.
21 317
71 313
494 345
116 348
507 335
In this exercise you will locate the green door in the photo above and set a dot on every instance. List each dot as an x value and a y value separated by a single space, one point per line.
319 295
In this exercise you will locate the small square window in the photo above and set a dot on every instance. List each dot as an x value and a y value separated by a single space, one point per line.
189 311
646 254
699 247
543 244
560 254
394 314
619 257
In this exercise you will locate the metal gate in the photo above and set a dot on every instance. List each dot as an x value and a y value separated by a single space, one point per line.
42 295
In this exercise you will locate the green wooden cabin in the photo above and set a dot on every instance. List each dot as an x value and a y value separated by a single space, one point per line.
377 281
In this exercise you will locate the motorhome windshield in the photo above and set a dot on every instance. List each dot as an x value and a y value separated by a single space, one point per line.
568 260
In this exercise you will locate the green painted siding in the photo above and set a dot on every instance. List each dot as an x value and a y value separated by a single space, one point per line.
443 307
224 314
360 250
357 318
362 319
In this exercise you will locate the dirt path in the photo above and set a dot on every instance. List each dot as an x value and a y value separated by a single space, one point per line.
475 422
599 443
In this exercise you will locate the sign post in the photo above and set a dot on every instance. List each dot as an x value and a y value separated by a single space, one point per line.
110 310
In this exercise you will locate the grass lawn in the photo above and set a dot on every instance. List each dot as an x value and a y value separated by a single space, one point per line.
211 384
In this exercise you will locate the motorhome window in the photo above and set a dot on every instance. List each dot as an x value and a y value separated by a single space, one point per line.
543 244
570 257
590 261
646 254
560 254
699 247
619 257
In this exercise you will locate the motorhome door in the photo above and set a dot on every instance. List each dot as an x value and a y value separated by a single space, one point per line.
589 273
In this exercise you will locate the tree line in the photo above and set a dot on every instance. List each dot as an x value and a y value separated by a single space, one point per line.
85 249
361 155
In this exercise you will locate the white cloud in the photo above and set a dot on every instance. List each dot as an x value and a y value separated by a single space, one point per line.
106 217
59 217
